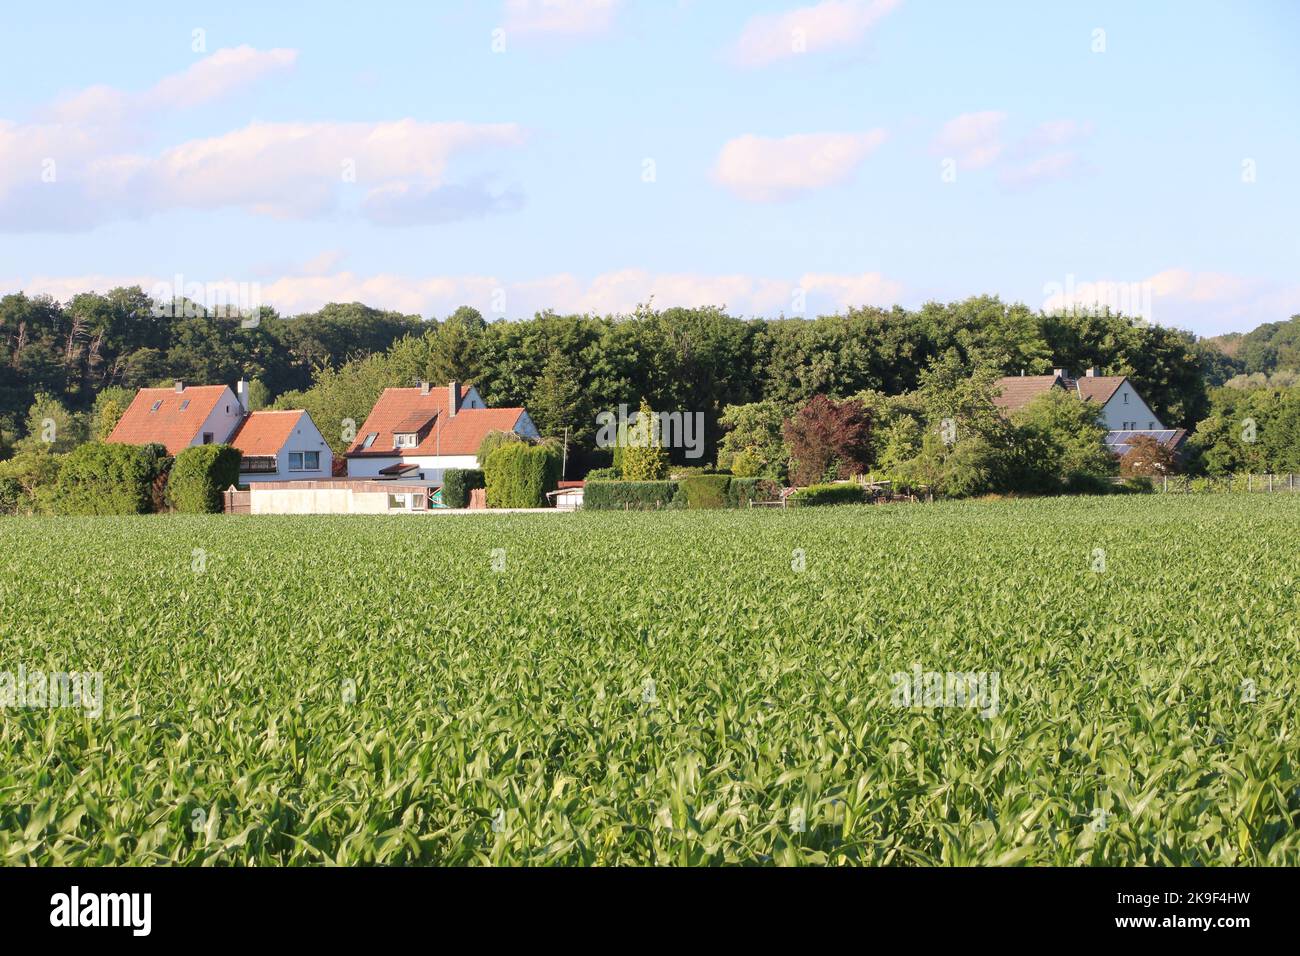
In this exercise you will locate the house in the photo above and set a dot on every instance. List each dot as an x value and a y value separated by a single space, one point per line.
1123 412
275 445
418 433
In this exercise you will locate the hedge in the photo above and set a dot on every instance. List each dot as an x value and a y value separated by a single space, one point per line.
742 491
99 478
518 475
850 493
457 483
629 495
200 475
706 491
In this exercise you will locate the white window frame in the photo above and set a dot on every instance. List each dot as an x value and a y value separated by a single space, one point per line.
405 440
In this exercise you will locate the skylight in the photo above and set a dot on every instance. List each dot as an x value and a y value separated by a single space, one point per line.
156 405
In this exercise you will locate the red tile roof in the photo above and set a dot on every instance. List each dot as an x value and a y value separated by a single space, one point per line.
1099 388
1016 391
264 433
169 425
399 408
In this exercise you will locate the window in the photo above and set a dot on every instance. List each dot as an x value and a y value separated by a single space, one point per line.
304 461
207 438
397 502
257 464
1125 398
404 440
1151 426
156 405
370 440
184 405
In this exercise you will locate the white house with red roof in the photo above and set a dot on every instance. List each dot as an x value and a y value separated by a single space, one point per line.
418 433
275 445
1122 410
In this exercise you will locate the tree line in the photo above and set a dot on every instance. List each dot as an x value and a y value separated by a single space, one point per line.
566 368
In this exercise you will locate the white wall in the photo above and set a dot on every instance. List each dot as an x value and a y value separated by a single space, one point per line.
431 466
320 501
222 421
1117 411
304 437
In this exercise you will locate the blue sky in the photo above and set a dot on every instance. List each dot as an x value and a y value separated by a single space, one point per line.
772 157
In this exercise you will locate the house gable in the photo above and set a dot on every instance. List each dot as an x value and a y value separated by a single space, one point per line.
179 417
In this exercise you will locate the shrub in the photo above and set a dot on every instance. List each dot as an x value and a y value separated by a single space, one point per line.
845 494
492 441
199 476
741 491
632 495
27 480
457 483
603 474
518 475
706 491
99 478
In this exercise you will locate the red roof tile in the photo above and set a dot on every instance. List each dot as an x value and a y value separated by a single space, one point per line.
1016 391
265 433
1099 388
170 425
398 409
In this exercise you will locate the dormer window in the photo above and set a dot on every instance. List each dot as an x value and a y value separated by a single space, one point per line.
156 405
405 440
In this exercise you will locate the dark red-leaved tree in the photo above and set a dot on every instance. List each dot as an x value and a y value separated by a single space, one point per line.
828 440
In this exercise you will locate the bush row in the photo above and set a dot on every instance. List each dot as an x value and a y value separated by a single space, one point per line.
602 495
841 494
457 483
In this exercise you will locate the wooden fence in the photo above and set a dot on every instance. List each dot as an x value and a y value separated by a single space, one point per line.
236 502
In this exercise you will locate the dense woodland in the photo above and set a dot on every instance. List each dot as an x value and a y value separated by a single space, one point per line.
78 362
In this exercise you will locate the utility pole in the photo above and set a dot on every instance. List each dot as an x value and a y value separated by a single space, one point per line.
564 461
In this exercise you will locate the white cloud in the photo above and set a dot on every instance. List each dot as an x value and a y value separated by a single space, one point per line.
762 169
221 74
1044 169
559 17
1207 303
84 164
616 292
770 37
973 139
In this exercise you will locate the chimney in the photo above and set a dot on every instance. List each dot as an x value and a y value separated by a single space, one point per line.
1059 373
424 388
1092 372
180 386
241 393
453 399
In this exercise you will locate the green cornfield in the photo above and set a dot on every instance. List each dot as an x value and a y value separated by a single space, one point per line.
660 688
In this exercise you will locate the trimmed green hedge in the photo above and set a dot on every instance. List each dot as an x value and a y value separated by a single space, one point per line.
518 475
846 494
457 483
706 491
628 495
200 475
99 478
